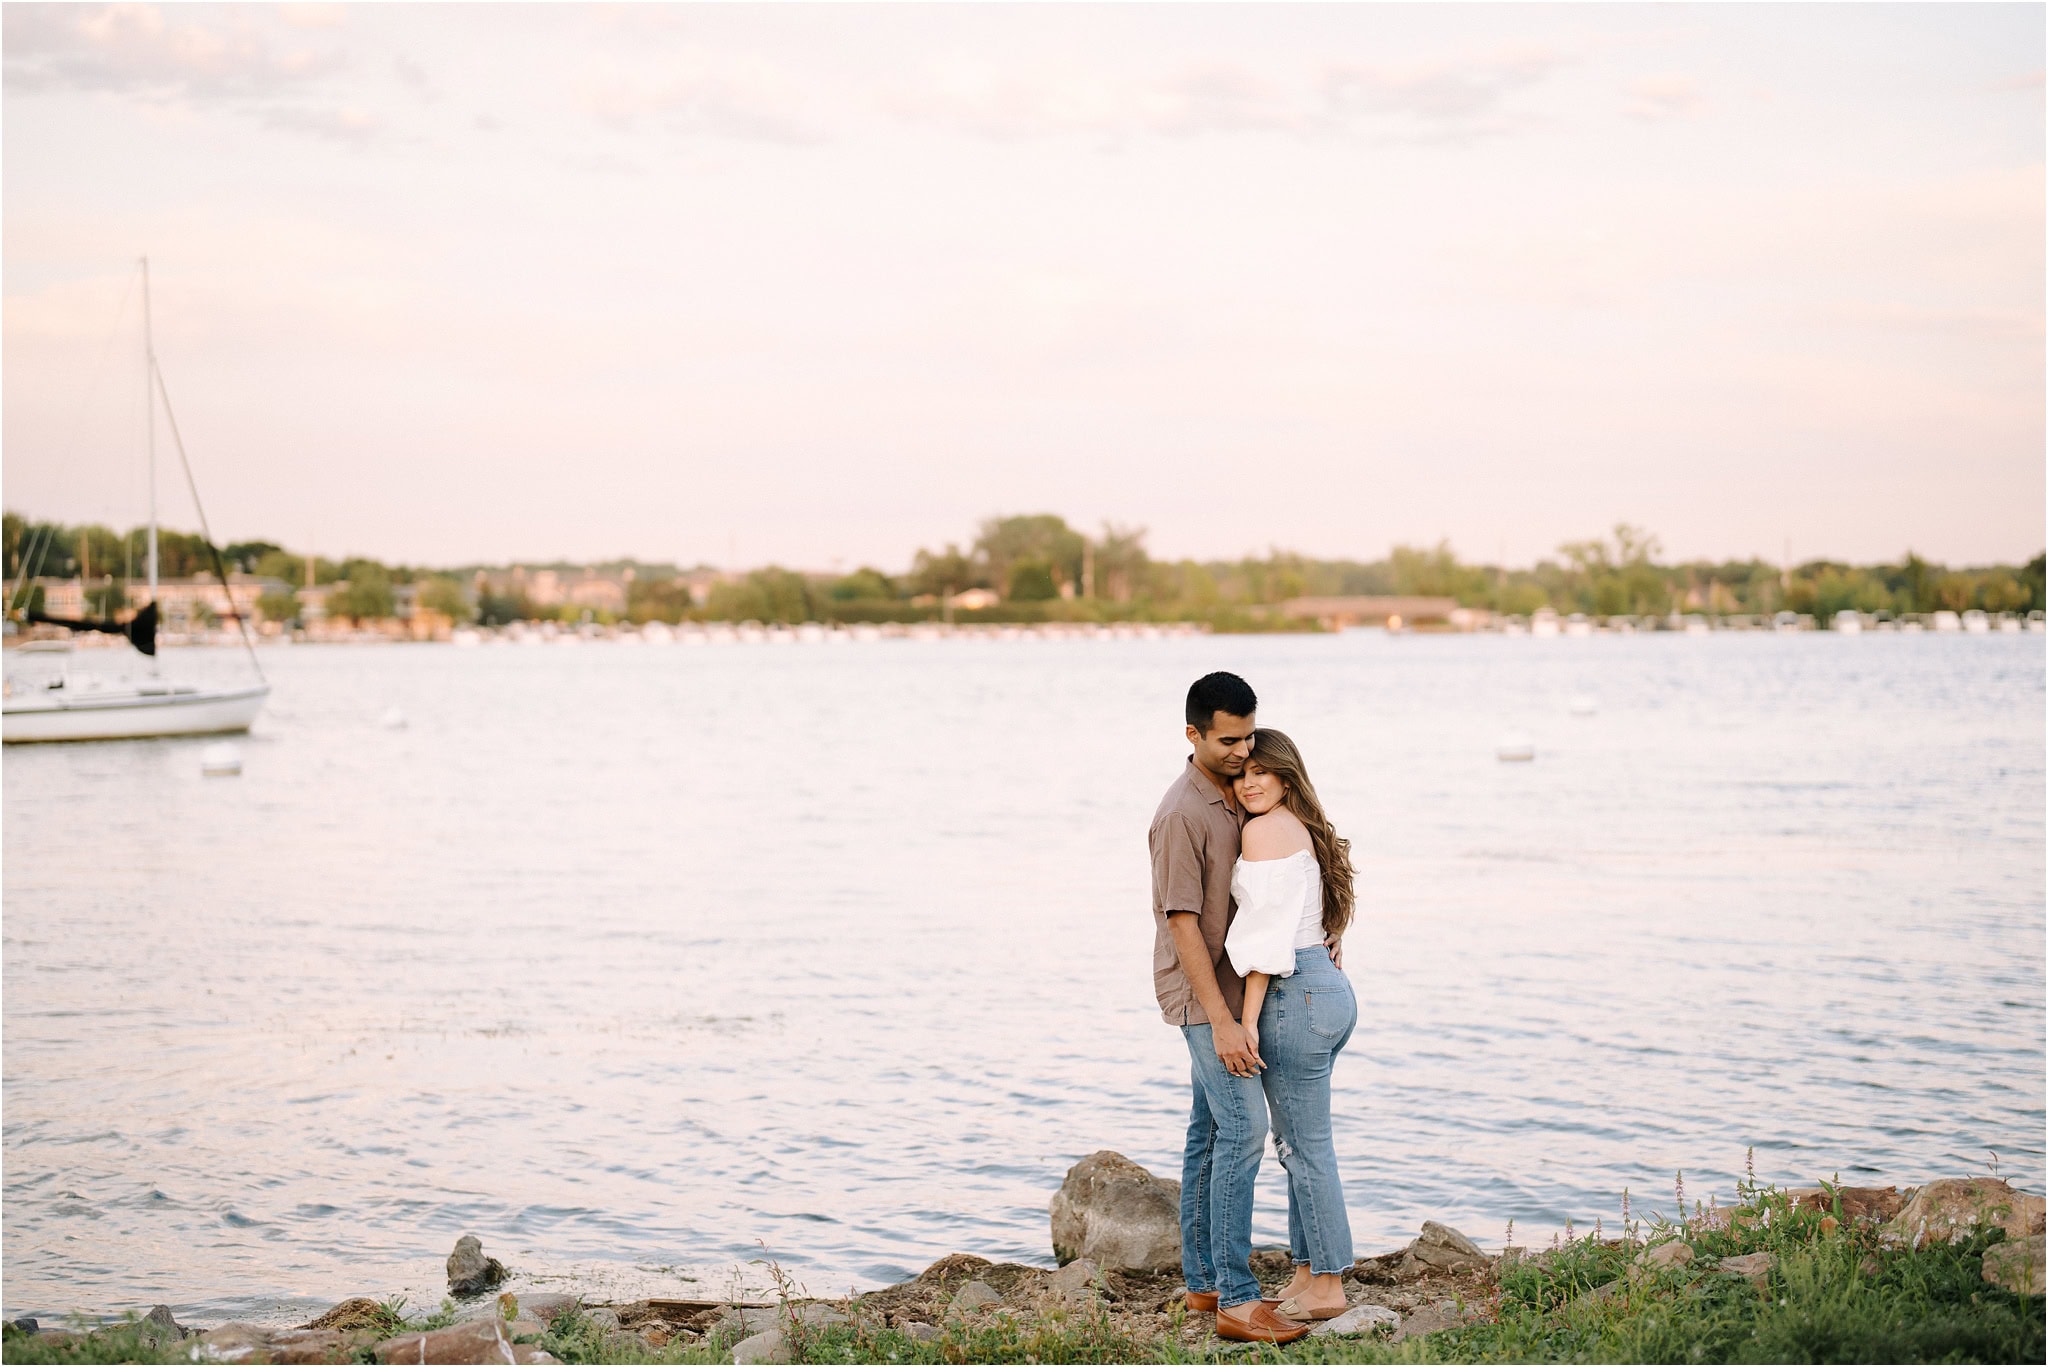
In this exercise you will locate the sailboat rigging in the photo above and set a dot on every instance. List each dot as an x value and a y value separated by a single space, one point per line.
69 707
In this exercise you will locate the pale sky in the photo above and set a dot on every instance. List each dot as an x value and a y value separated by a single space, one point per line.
821 285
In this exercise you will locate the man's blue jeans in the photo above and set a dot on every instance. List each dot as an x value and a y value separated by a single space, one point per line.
1226 1139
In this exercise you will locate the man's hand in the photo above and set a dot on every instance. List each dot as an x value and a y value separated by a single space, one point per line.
1238 1049
1335 944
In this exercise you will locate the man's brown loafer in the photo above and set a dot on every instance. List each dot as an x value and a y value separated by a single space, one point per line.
1260 1326
1202 1302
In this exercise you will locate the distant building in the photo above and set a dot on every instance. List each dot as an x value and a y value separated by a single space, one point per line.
601 592
313 601
1371 609
184 603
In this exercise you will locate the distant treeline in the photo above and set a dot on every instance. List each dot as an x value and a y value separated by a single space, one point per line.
1038 568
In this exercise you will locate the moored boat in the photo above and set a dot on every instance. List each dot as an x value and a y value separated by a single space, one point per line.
68 705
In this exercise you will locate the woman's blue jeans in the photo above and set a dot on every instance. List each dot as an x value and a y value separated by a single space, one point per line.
1307 1018
1226 1140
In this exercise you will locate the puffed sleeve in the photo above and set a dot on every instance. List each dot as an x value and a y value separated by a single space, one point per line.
1261 938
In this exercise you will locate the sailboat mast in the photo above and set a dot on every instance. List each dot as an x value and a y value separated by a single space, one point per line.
149 414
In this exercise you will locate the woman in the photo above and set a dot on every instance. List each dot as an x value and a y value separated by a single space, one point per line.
1294 897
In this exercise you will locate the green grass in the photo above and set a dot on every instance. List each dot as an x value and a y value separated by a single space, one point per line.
1833 1296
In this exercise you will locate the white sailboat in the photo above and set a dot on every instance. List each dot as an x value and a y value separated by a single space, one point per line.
63 704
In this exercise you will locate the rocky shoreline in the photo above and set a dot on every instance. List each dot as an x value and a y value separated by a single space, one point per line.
1115 1235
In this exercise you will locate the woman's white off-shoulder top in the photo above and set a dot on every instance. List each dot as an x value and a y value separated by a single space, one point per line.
1279 910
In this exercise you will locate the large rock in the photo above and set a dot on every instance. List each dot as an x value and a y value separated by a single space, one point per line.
1755 1266
766 1346
159 1326
233 1342
1662 1257
357 1312
1078 1283
469 1271
1953 1209
744 1321
253 1343
548 1306
2016 1265
747 1321
1444 1248
483 1340
1431 1319
1860 1205
1359 1319
1117 1215
1677 1253
974 1296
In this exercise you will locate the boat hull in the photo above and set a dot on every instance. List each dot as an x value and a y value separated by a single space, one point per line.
131 716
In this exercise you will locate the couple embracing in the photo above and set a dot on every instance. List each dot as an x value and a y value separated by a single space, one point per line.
1251 892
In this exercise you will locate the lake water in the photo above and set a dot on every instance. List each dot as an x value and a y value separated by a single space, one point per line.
642 964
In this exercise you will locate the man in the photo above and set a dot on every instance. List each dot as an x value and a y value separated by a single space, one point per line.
1194 848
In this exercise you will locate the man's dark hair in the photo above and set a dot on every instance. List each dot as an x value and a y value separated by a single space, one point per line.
1219 692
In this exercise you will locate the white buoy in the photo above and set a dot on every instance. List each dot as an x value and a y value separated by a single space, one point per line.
1585 705
220 761
392 720
1515 749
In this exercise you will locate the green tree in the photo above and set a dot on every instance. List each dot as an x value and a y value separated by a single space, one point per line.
106 601
1043 537
1031 582
13 537
502 609
40 550
278 605
773 594
1955 590
1436 573
1915 581
1617 579
2001 591
247 555
658 600
276 564
1120 562
943 573
863 585
367 595
179 555
446 596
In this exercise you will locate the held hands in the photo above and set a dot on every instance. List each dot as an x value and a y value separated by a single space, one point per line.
1237 1047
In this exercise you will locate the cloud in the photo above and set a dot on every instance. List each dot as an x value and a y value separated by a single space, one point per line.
1656 98
1449 99
311 15
1469 93
412 75
137 50
356 127
1982 324
734 97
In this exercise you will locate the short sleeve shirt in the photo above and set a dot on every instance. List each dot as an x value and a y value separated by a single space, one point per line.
1194 840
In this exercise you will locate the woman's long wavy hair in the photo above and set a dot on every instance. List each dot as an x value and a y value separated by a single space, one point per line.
1278 756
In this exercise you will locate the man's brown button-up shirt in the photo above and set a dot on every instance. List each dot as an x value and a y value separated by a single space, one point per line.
1194 841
